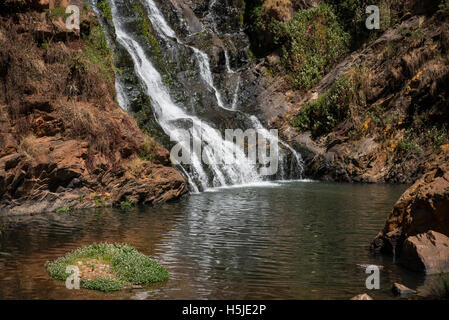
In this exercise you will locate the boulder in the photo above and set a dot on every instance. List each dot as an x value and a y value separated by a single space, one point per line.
402 291
363 296
427 252
423 207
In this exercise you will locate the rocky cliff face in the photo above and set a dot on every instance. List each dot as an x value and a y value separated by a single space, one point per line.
65 142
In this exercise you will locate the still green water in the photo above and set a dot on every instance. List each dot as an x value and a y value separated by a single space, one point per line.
288 240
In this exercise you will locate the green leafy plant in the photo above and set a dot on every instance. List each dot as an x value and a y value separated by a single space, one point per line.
105 9
126 205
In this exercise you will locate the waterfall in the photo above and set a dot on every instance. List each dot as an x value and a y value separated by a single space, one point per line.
206 74
220 162
225 170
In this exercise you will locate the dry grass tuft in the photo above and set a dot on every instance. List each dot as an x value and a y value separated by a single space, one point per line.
28 145
134 166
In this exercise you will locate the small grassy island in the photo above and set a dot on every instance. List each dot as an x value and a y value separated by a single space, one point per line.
108 267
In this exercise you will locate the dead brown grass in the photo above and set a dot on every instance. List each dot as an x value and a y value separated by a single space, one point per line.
134 166
280 10
28 145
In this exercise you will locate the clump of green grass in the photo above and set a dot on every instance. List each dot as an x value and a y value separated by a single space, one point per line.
126 205
63 210
127 264
58 12
103 284
98 53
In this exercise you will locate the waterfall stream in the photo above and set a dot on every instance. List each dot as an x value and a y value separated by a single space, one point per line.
220 162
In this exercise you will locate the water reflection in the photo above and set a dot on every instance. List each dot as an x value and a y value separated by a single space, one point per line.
293 241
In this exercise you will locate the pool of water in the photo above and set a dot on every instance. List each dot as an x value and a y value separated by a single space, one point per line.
286 240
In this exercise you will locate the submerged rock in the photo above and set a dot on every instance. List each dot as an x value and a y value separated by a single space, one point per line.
401 290
362 296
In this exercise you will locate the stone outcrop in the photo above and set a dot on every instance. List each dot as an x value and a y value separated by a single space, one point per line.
426 252
64 141
423 207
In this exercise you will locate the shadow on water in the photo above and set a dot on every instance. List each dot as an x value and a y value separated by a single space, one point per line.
295 240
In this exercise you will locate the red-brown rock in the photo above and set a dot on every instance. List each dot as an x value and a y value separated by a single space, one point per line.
427 252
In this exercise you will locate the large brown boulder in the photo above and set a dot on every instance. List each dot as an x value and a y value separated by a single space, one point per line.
423 207
427 252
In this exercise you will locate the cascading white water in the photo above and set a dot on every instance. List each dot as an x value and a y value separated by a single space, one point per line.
122 99
220 154
158 21
206 74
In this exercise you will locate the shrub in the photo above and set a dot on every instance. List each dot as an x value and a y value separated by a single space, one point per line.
322 115
127 265
312 42
105 9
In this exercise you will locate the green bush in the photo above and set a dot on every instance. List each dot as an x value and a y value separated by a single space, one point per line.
312 42
127 264
105 9
322 115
